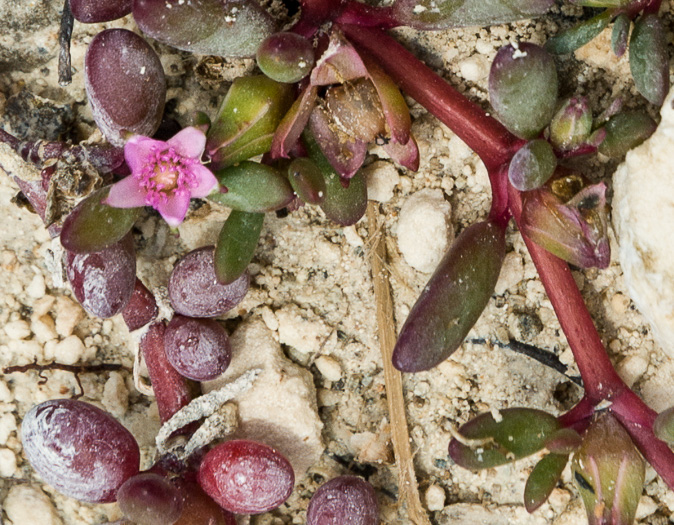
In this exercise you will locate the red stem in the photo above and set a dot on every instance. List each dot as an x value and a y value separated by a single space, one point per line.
172 391
493 143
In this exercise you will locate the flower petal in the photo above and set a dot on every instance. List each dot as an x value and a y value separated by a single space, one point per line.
205 178
175 208
189 142
127 193
138 151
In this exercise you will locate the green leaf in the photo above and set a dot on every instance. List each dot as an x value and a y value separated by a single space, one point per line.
625 131
620 34
523 88
453 299
307 180
518 433
236 245
443 14
569 40
663 428
649 60
93 226
543 479
532 165
343 204
252 187
564 441
247 120
572 124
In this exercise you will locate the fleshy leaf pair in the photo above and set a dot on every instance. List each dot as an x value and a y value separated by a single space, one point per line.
648 57
361 105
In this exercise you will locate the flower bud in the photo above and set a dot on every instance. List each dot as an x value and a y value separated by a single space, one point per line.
572 124
609 473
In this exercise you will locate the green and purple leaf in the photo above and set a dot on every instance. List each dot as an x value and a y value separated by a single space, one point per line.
625 131
342 204
663 427
620 34
92 226
236 245
649 59
572 124
452 300
307 180
532 165
293 123
576 231
247 120
523 88
518 433
543 479
207 27
569 40
443 14
252 187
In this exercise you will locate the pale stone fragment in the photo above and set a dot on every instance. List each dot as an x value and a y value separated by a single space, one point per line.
116 395
17 329
68 314
329 367
44 328
424 229
643 218
280 408
435 498
305 335
69 351
7 463
381 178
26 504
37 287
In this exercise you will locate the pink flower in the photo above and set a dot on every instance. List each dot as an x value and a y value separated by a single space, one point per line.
164 175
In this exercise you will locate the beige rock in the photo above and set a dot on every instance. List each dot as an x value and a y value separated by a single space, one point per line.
26 504
298 331
116 395
69 351
68 314
435 498
17 329
382 178
280 409
7 463
329 367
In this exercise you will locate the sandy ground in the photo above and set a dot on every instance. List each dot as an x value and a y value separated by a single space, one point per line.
312 301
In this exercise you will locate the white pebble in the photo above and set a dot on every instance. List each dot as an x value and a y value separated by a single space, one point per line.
435 498
647 506
632 368
474 68
69 351
116 395
7 463
44 328
7 426
17 329
329 367
5 393
26 504
68 314
305 335
425 229
37 287
381 178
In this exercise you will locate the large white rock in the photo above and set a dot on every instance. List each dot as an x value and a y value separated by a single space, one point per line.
280 409
643 218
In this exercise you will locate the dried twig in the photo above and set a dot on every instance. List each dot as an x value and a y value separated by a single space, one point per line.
65 34
74 369
409 490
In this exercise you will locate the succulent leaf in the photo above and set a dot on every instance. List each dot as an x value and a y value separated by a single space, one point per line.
518 433
207 27
307 180
564 441
252 187
339 63
608 472
285 57
569 40
543 479
532 165
121 66
663 428
649 60
293 123
247 120
452 300
443 14
523 88
620 34
343 204
236 245
625 131
93 226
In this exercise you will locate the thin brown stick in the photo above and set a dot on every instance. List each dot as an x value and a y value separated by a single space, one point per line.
407 481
